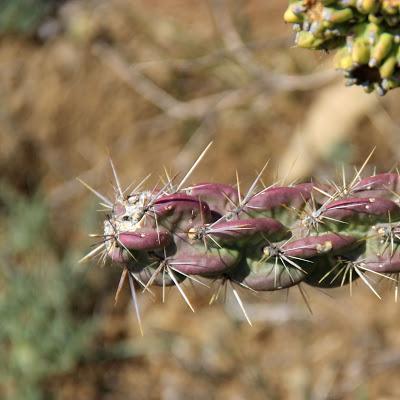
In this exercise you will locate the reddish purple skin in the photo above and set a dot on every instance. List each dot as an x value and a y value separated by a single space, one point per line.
308 247
181 209
348 208
232 231
278 197
192 262
386 181
145 239
384 264
216 195
181 203
176 197
307 186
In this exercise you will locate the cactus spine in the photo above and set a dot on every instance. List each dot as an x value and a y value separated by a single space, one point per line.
366 34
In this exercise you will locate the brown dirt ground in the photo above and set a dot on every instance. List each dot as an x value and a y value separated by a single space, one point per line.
63 110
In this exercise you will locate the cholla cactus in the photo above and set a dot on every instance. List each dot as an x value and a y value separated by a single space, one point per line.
365 32
273 238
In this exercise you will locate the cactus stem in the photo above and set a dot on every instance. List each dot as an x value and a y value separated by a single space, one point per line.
254 241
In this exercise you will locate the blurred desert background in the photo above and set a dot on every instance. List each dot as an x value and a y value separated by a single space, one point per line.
150 83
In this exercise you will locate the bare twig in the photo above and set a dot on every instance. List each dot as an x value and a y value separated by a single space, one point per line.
271 81
216 55
226 99
174 108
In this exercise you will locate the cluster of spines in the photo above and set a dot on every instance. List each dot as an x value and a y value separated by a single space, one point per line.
365 32
324 235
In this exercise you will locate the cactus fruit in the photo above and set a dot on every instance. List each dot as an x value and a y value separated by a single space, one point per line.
324 235
366 34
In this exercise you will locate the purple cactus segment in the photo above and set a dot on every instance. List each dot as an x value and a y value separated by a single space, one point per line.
180 203
307 186
241 231
209 262
385 264
277 198
314 246
385 186
182 210
219 197
145 239
388 181
345 209
176 197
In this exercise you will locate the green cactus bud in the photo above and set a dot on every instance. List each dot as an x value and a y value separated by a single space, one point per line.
367 6
381 49
343 59
388 67
360 51
307 40
337 16
291 18
390 7
366 34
